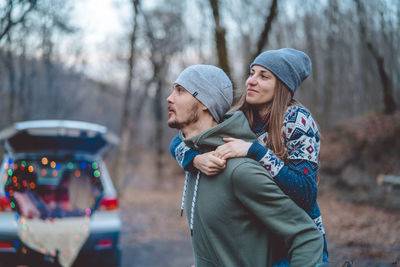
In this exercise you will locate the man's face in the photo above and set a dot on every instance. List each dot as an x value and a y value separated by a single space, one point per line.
183 108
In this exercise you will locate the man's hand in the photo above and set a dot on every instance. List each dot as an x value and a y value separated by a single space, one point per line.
209 164
234 148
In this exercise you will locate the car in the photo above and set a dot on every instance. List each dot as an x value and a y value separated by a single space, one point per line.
58 205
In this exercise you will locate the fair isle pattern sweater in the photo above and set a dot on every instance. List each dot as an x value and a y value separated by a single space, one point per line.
301 138
297 178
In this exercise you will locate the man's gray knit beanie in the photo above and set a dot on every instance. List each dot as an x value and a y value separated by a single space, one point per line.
210 85
289 65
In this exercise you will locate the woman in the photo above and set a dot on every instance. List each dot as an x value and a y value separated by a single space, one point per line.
288 140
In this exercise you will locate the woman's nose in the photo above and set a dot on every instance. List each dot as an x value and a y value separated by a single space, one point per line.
251 81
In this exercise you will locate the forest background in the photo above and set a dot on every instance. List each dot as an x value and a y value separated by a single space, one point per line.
47 72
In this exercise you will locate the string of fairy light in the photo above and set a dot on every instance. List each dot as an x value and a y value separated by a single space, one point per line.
55 168
46 168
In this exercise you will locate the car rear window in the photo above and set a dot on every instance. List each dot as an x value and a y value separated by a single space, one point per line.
48 187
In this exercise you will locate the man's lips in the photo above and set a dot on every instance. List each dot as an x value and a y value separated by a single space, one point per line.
170 110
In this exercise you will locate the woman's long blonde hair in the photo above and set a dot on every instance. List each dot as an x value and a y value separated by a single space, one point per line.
273 119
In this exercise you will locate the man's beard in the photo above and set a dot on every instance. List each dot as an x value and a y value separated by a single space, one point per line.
193 117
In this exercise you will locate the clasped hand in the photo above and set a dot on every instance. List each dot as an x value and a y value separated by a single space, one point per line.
212 163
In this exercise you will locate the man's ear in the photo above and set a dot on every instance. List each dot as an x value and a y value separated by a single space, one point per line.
203 107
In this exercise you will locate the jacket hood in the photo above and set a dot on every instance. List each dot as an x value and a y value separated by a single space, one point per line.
234 125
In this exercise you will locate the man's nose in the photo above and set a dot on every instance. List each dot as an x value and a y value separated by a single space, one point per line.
169 99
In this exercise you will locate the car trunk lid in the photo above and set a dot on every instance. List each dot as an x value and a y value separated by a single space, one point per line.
44 136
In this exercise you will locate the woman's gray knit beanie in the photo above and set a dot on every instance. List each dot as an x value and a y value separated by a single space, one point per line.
210 85
289 65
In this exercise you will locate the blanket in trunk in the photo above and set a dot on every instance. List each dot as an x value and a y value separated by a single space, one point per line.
62 236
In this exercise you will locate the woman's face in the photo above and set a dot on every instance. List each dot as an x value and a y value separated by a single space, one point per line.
260 86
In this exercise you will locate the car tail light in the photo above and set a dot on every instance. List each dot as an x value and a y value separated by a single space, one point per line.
4 204
5 245
109 203
104 243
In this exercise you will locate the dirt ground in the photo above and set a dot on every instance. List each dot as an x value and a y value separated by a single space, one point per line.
365 235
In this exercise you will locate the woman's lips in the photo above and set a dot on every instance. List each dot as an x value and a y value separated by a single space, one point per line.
251 91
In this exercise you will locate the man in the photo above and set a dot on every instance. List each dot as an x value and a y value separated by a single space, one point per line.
239 217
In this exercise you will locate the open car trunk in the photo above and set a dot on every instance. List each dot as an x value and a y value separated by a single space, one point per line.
54 197
54 182
62 186
53 187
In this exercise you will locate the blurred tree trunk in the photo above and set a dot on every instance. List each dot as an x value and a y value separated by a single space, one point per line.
330 78
121 157
11 80
388 98
263 38
29 106
311 44
137 109
159 62
22 82
160 124
160 69
51 93
220 41
163 27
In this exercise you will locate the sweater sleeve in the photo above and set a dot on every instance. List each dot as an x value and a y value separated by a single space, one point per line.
264 199
183 154
297 178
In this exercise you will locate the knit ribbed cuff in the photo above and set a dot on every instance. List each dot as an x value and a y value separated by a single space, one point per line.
256 151
187 163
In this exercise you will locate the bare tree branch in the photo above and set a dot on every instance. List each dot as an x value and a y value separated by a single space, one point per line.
125 125
7 19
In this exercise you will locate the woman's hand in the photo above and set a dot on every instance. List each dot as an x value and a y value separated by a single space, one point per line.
234 148
209 164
